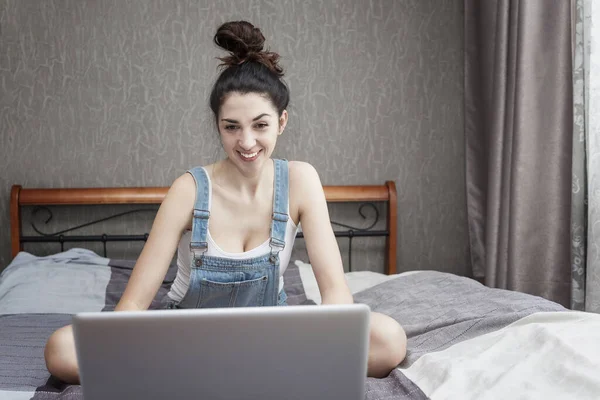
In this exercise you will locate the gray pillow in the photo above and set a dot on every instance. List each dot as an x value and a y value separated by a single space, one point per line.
292 284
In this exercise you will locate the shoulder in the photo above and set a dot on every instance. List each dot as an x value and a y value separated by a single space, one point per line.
303 175
185 184
306 189
301 169
182 191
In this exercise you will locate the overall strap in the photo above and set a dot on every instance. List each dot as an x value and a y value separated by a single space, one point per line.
198 244
280 208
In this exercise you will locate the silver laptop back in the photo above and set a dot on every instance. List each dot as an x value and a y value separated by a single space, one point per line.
302 352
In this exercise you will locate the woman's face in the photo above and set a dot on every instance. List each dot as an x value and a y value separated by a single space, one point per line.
249 127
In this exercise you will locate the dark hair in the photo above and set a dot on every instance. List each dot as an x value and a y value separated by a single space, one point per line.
248 69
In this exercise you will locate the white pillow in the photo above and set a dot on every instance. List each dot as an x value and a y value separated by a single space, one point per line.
357 281
309 282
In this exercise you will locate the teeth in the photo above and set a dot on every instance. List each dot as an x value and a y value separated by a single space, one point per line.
249 155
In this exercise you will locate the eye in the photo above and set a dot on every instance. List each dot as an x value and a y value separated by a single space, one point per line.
230 127
262 125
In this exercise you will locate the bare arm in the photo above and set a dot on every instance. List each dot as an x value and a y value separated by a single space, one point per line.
151 267
321 244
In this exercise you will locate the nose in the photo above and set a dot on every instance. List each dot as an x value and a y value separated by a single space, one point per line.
247 139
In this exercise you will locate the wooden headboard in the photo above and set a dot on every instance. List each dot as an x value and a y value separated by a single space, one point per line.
154 195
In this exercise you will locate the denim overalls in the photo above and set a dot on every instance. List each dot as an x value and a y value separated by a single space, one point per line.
221 282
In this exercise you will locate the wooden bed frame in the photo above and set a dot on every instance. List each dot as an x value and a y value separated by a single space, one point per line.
154 195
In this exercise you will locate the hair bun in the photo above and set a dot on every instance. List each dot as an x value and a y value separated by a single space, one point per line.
245 42
240 38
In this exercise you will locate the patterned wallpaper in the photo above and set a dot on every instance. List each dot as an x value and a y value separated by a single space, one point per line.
114 93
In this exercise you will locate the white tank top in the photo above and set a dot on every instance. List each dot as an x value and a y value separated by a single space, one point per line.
182 279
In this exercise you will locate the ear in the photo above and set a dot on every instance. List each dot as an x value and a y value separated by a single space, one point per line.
283 121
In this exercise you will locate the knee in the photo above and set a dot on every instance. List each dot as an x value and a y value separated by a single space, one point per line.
60 356
388 340
391 338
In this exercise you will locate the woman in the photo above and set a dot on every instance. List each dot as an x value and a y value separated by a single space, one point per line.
254 205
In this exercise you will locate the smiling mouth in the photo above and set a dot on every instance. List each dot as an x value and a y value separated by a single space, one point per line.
249 156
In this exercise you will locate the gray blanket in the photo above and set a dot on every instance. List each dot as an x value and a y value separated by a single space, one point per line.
436 309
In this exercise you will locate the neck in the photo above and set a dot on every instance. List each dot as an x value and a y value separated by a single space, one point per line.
247 185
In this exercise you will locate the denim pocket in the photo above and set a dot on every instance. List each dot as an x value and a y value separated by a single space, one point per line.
245 293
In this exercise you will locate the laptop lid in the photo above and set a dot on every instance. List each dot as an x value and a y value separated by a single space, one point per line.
302 352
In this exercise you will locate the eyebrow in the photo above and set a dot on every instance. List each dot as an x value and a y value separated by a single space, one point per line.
233 121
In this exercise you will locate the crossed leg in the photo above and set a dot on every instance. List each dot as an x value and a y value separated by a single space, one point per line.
387 346
387 349
61 359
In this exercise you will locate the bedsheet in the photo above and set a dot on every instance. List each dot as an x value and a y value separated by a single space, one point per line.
450 321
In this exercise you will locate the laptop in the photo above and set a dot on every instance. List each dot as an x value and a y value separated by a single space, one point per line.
296 352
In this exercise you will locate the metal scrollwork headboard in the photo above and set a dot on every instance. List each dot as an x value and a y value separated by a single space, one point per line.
40 199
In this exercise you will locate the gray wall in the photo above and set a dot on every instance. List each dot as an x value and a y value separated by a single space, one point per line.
114 93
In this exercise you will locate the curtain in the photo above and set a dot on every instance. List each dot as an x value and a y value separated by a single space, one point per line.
586 157
519 141
579 187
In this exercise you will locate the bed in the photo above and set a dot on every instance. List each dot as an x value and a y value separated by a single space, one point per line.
465 340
